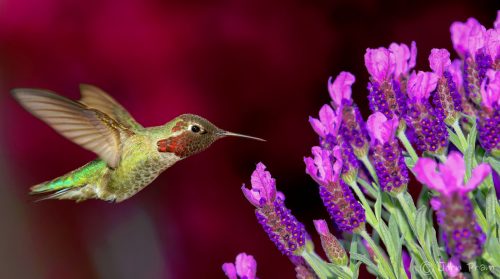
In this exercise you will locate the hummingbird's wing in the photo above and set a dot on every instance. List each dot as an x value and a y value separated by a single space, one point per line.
90 128
96 98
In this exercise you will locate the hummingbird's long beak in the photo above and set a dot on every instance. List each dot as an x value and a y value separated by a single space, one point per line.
230 134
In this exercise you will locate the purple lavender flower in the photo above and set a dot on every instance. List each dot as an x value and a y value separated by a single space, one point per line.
469 40
426 127
492 46
386 153
489 116
462 235
456 73
337 197
447 100
327 127
332 247
245 268
389 70
282 227
352 127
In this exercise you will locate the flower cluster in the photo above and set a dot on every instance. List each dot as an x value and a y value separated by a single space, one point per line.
462 235
447 101
282 227
386 153
389 70
352 127
337 197
479 66
426 110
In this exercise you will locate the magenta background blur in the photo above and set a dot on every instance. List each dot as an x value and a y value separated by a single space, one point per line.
253 67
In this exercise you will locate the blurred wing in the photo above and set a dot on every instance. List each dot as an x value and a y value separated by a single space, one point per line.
87 127
95 98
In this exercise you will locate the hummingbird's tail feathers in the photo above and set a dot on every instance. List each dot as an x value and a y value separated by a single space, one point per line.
70 185
87 127
55 195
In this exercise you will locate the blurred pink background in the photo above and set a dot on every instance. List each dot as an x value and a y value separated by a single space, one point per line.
255 67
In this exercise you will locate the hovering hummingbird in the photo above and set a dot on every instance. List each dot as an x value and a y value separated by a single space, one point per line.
130 155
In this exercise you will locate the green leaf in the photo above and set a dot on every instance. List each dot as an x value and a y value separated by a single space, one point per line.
378 205
435 249
493 248
409 201
416 271
421 222
370 188
319 266
355 270
470 151
481 220
494 163
455 140
338 272
353 249
390 242
491 203
364 259
398 242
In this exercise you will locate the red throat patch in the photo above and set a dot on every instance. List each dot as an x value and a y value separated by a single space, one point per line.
177 145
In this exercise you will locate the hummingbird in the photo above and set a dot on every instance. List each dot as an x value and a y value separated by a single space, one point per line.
130 156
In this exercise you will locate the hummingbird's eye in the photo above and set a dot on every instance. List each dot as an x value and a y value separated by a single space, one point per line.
195 129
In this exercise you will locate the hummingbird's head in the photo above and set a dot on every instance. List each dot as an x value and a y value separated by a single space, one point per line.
192 134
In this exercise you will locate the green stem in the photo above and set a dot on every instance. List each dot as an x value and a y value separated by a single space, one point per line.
370 168
460 134
406 208
316 265
371 190
370 216
380 257
406 143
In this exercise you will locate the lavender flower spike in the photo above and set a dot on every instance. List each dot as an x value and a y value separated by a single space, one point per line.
245 268
426 127
337 197
352 127
469 40
389 70
467 107
462 235
489 116
332 247
447 100
327 127
282 227
386 152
